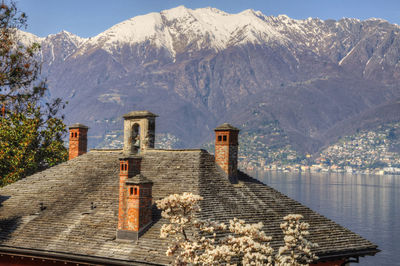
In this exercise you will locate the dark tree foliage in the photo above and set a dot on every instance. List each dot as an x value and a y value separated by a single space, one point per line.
31 130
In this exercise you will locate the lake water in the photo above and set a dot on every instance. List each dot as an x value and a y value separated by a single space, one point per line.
368 205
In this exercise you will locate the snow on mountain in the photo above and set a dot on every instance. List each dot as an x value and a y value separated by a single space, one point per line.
181 29
203 27
63 44
54 46
65 35
27 39
135 30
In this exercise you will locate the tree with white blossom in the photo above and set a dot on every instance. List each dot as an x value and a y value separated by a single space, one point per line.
297 248
196 241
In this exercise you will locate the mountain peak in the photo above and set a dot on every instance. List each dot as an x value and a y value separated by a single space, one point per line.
177 11
197 28
283 17
251 12
66 36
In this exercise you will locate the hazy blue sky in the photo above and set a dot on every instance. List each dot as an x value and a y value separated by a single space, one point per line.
88 18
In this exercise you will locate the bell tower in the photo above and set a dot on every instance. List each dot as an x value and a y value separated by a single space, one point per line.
139 131
135 190
226 149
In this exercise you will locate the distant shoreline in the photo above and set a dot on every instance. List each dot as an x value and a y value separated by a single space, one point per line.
321 169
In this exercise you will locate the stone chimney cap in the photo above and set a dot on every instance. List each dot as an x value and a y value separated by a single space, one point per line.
138 179
78 125
226 126
139 114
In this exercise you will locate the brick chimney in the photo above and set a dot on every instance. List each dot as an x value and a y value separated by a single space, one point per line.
135 200
226 149
77 140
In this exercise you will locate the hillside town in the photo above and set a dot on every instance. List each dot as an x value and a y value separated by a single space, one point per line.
367 151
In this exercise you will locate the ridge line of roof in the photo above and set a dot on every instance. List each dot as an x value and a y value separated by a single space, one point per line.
175 150
106 150
150 150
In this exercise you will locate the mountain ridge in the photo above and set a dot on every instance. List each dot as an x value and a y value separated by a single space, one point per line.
134 25
308 74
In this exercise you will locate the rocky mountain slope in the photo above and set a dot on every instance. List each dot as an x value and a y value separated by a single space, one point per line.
199 68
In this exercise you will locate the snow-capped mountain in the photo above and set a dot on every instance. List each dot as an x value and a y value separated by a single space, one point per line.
180 28
201 67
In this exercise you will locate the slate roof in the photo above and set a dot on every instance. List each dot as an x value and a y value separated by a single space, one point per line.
69 227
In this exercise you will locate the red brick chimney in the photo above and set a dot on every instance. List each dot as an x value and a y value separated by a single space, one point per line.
135 200
226 149
77 140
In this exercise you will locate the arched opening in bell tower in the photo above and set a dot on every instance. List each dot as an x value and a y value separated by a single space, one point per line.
136 141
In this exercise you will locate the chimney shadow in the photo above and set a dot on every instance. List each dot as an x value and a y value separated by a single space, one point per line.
156 213
7 227
245 177
3 198
156 216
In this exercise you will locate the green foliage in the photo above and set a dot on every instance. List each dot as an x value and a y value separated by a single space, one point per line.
27 145
30 130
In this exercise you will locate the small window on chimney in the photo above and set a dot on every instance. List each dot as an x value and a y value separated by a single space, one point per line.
224 137
132 190
72 135
76 134
219 138
135 190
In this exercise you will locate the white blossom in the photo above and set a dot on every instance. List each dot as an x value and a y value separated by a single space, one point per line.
297 249
195 241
